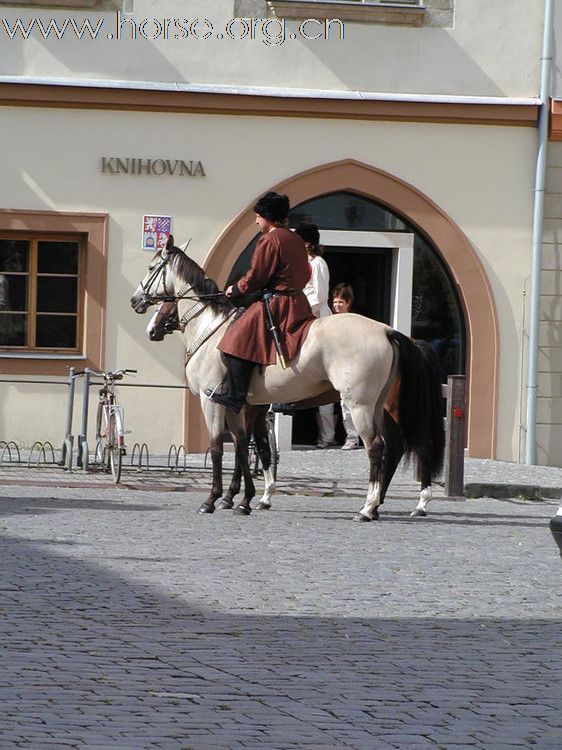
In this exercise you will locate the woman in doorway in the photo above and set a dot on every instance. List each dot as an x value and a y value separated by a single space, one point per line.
342 302
318 292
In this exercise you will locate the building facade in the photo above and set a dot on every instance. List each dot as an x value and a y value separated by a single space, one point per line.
392 125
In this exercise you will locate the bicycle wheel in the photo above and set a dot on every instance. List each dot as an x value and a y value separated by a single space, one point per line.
114 450
270 424
100 451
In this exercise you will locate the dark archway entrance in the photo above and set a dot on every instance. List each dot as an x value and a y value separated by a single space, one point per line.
460 258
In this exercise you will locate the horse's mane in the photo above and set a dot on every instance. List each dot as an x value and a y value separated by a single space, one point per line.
189 272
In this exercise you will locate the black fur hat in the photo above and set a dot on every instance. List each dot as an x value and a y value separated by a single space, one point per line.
273 207
308 233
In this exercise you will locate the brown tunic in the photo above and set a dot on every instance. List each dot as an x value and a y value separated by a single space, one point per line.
279 262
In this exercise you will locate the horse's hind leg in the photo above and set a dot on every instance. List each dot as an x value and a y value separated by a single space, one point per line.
370 428
426 494
375 451
393 452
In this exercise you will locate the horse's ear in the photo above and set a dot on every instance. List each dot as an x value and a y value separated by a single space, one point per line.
167 249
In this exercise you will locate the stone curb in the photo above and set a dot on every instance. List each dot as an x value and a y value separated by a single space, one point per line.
500 491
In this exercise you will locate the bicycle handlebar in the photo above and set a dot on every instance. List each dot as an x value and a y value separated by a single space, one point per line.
115 375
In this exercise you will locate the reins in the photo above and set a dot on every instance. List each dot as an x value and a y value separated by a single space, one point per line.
201 299
161 269
207 333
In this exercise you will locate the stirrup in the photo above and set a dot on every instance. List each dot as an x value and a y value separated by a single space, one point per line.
210 392
220 398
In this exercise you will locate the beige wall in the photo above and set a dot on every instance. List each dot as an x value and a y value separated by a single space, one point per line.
549 400
493 49
480 176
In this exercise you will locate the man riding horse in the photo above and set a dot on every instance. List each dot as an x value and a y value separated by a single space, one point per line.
275 324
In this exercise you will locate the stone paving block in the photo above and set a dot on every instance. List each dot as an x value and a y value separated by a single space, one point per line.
317 631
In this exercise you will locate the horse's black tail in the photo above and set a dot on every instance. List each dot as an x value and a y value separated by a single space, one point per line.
420 405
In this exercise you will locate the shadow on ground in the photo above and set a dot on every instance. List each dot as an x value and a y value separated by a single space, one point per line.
93 660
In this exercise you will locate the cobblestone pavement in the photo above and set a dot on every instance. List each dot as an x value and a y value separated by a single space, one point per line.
131 623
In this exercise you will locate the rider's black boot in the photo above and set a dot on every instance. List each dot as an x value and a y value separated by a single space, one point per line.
232 393
282 408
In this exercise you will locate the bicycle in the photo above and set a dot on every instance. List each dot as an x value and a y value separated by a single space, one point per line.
110 425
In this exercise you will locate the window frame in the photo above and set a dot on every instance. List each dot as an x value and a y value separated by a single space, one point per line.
33 275
357 11
91 231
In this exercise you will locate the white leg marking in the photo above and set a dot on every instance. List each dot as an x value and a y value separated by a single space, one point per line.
373 500
425 496
269 489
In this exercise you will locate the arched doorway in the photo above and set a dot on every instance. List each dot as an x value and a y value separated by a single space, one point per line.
457 254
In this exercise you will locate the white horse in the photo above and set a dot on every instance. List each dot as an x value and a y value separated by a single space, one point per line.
352 355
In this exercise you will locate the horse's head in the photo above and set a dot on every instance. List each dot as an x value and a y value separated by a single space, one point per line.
164 321
158 282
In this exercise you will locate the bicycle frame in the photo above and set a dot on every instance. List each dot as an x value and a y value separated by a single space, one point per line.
110 425
117 411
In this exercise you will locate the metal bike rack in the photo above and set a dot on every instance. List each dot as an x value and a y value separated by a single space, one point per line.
41 452
174 455
75 449
68 441
83 457
7 448
142 451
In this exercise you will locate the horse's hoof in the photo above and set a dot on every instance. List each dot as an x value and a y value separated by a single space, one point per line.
205 509
225 504
263 506
418 513
360 518
242 510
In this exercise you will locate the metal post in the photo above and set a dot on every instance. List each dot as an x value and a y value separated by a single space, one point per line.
68 442
455 436
536 263
82 458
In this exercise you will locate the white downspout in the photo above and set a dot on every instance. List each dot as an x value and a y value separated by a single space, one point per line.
536 264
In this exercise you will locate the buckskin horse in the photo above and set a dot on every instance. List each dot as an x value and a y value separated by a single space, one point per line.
359 358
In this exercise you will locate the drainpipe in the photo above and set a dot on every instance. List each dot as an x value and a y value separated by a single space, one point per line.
536 264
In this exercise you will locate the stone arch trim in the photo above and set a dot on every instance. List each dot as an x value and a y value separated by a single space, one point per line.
461 259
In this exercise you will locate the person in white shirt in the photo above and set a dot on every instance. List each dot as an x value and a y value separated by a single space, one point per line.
342 302
317 292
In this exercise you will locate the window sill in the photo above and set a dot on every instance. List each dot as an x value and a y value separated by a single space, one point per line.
116 4
349 11
6 354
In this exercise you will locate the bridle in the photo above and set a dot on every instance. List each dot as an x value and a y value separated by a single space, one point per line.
148 297
201 302
153 280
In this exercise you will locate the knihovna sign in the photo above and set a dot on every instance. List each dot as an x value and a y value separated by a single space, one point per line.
157 167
